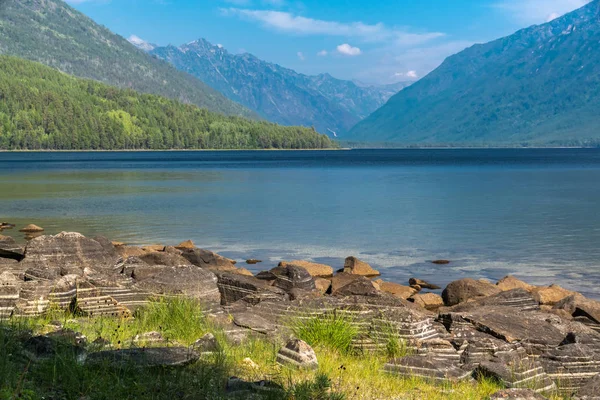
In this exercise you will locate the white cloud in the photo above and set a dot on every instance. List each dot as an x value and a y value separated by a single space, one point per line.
322 53
538 11
295 24
412 74
301 56
348 50
140 43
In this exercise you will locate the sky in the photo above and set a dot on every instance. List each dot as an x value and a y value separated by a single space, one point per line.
372 41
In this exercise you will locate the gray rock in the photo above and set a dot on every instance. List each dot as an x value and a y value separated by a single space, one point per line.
358 287
146 357
254 322
49 257
517 370
206 344
234 287
208 259
520 299
10 249
164 258
579 306
190 281
427 368
299 354
571 366
591 390
293 277
466 289
517 394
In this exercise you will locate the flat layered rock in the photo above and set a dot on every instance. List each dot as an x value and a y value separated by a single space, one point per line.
467 289
427 368
359 287
439 349
508 324
254 322
130 251
48 257
10 289
314 269
297 353
571 366
481 347
235 287
519 299
342 279
146 357
517 370
517 394
590 391
191 281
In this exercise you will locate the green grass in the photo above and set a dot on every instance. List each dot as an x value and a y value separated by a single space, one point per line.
334 331
342 374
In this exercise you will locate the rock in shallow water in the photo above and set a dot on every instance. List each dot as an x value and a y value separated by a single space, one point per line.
466 289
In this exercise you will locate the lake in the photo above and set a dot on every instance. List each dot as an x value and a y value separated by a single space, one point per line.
530 212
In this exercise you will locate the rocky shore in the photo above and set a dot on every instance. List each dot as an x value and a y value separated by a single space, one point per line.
539 341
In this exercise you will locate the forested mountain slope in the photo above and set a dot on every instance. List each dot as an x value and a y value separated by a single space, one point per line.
55 34
540 86
41 108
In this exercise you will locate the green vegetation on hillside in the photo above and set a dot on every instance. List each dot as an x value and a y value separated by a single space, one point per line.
41 108
55 34
539 86
64 376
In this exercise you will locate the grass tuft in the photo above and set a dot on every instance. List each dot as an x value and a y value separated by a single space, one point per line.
334 331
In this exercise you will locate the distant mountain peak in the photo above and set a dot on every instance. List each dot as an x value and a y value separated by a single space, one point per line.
539 86
141 43
280 94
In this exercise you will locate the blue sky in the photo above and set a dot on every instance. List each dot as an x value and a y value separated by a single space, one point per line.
374 41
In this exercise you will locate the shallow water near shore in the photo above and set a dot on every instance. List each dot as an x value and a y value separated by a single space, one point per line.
534 213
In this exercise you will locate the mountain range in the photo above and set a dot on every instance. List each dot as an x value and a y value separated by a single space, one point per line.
55 34
276 93
539 86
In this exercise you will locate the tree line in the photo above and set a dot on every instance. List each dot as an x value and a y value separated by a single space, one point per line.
45 109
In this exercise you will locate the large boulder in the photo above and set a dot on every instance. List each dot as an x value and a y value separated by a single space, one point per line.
208 259
395 289
358 287
354 266
235 287
551 295
289 277
579 306
510 282
316 270
164 258
10 249
189 281
467 289
297 353
48 257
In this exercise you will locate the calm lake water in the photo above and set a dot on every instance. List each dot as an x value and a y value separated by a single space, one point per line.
532 213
